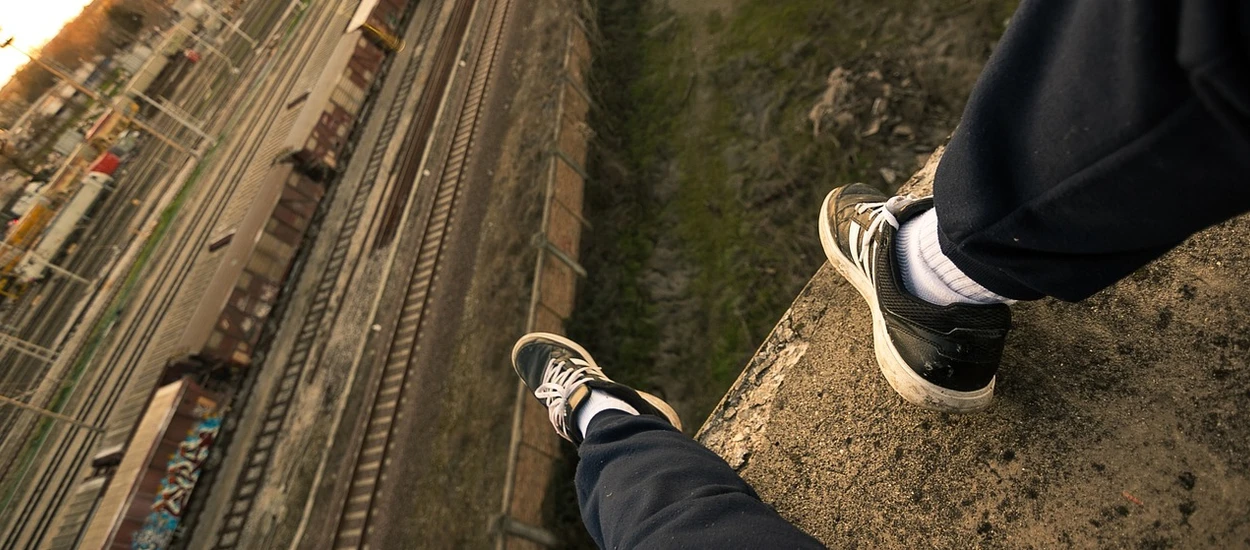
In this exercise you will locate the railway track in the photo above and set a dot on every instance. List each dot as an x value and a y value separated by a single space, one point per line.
374 442
260 454
59 295
418 136
28 527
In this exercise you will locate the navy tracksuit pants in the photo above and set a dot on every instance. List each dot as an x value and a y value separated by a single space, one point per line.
1101 134
643 484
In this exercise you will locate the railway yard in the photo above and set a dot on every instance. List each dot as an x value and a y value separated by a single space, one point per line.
273 308
311 350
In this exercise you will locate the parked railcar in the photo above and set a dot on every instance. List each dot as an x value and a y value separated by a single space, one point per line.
144 500
251 260
230 323
328 140
61 231
258 281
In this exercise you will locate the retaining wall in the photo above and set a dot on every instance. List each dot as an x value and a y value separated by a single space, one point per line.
535 446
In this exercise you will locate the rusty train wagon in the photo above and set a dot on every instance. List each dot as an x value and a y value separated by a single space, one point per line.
376 39
218 318
230 320
259 258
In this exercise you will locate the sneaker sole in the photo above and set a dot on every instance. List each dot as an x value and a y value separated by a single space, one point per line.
902 378
663 407
659 404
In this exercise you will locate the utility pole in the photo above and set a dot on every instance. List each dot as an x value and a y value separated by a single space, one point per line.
35 258
178 116
93 95
40 260
156 51
214 51
27 348
49 414
232 26
174 114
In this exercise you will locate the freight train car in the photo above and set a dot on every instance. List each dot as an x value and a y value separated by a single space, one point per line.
246 261
18 239
229 322
374 27
42 228
106 163
380 20
146 497
110 125
63 228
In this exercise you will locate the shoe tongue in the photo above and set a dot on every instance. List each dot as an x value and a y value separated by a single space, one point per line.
913 209
566 360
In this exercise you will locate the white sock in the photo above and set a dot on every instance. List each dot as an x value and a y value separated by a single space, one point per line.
598 402
928 273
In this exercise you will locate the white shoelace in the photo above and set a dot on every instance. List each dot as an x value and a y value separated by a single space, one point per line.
883 212
558 383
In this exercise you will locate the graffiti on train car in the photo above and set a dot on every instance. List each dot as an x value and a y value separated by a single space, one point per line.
181 474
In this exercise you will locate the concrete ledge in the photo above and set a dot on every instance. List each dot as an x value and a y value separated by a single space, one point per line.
1123 421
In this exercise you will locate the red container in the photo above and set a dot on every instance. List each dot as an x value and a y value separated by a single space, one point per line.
106 163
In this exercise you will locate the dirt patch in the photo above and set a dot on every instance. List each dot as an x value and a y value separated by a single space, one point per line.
721 126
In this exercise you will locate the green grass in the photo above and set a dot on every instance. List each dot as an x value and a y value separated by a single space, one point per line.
99 331
704 191
655 129
714 230
713 181
131 282
300 12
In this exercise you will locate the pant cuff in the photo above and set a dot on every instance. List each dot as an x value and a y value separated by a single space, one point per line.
993 279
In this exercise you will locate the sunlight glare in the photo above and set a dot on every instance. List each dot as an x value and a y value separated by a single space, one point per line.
32 24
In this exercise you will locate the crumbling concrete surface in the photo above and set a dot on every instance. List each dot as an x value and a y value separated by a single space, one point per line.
1122 421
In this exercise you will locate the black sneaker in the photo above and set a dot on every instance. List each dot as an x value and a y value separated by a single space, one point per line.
939 357
561 375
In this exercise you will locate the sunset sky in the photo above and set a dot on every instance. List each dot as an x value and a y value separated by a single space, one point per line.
32 23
